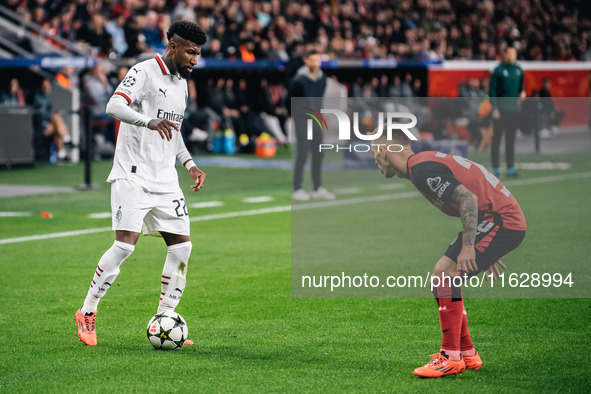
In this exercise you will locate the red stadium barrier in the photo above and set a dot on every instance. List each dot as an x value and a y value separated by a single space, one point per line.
568 80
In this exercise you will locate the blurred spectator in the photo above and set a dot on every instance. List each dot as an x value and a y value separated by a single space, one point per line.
428 30
469 107
275 105
94 33
213 50
67 77
406 86
231 109
271 110
13 95
50 133
384 89
200 122
396 89
251 100
136 40
155 29
115 28
215 95
551 117
96 92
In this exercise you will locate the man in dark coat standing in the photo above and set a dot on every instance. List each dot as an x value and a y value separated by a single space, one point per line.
310 83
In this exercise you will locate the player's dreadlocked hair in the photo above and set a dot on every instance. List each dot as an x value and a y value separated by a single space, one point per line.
188 31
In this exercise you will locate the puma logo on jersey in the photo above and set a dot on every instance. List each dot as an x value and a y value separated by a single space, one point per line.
163 92
134 69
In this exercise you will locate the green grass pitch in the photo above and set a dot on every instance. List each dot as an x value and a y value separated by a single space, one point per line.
250 334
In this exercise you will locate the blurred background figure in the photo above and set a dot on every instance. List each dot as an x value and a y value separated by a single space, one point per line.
506 90
469 110
550 116
49 130
96 92
309 82
13 95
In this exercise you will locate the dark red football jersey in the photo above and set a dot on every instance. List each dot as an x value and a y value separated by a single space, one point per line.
437 174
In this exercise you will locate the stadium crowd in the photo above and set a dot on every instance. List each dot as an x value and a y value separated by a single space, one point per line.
347 29
281 30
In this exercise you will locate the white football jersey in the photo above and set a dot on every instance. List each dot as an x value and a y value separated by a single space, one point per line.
142 156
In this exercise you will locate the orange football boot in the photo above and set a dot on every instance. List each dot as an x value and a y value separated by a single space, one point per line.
86 327
188 342
440 366
473 362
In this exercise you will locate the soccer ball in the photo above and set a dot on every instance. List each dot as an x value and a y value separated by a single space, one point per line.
167 331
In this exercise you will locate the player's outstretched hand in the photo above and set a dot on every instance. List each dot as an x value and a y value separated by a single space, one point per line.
467 260
163 127
493 271
199 178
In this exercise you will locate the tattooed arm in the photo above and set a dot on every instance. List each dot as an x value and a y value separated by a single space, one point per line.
467 203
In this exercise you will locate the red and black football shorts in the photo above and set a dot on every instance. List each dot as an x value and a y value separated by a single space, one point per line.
493 241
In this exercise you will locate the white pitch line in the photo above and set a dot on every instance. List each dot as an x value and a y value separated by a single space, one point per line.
357 200
348 190
14 214
285 208
100 215
54 235
206 204
546 179
544 165
237 214
254 200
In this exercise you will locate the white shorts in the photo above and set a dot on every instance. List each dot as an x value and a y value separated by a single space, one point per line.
137 210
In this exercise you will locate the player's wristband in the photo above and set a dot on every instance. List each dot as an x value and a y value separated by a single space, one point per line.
190 164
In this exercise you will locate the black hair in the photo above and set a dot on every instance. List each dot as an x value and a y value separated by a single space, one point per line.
310 53
188 31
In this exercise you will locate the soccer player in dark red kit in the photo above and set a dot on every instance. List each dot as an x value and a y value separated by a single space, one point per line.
493 225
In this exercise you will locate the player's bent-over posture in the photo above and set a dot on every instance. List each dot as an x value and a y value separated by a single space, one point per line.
493 225
145 194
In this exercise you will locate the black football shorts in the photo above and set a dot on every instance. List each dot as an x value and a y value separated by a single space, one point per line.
492 242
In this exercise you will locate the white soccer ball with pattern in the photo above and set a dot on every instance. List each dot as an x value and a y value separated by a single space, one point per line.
167 331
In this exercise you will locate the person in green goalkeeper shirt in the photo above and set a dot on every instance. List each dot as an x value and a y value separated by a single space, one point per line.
506 92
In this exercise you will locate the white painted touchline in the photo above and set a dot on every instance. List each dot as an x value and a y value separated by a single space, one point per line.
54 235
237 214
285 208
14 214
544 165
348 190
546 179
254 200
206 204
100 215
227 215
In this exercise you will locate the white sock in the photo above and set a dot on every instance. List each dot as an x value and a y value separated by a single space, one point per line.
174 276
105 274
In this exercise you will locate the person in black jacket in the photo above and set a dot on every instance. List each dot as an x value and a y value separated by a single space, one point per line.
308 82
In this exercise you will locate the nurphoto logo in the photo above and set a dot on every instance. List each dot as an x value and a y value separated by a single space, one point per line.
393 121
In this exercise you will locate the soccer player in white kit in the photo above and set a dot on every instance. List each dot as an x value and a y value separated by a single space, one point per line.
145 194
